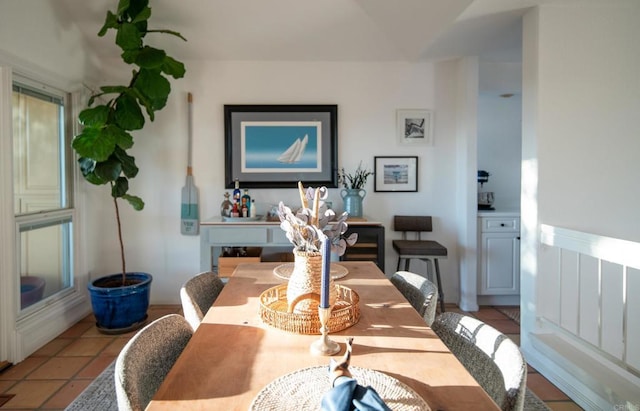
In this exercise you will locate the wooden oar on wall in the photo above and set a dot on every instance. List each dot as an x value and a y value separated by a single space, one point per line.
190 221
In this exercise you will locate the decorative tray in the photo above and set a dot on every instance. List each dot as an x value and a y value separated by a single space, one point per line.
284 270
242 219
273 312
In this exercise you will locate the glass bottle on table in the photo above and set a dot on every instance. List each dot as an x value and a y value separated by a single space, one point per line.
226 206
237 193
252 208
246 204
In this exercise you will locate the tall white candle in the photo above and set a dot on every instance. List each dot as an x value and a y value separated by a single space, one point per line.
326 269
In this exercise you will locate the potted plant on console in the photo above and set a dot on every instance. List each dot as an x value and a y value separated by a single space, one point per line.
353 192
120 301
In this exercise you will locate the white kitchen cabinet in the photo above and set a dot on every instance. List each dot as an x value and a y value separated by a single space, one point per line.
499 256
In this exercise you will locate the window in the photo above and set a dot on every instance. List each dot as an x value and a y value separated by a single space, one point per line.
42 190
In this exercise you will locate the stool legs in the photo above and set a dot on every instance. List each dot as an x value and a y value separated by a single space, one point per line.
440 292
407 262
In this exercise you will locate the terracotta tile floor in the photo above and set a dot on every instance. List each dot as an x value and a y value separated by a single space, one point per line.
55 374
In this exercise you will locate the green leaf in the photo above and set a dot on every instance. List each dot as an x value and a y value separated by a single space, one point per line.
154 86
129 168
142 16
95 143
94 179
128 37
136 202
136 7
130 56
128 115
108 170
142 27
123 139
173 68
110 22
142 99
120 187
123 5
87 165
94 117
150 57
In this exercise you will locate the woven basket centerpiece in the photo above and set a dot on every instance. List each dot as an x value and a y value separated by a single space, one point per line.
274 312
305 283
312 229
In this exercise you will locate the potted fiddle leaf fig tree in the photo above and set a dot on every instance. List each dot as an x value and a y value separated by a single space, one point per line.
120 301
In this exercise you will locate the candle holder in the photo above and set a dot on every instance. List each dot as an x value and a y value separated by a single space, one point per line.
325 345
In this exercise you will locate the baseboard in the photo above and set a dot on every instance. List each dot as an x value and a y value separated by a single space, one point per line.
589 381
38 329
513 300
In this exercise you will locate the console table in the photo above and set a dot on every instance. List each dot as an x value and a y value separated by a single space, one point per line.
216 234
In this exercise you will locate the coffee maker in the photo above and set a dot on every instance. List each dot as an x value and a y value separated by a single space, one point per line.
485 198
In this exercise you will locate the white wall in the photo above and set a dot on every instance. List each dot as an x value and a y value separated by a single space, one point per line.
38 38
588 107
500 147
580 143
367 95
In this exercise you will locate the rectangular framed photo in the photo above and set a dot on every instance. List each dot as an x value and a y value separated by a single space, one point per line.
396 174
275 146
415 127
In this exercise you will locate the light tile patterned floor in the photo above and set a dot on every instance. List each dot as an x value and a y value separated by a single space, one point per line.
55 374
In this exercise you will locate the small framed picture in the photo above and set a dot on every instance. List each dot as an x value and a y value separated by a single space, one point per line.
396 174
415 127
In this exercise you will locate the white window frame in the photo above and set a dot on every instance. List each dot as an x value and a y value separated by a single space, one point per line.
65 213
22 334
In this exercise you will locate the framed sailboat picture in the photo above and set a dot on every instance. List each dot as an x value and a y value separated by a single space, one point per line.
271 146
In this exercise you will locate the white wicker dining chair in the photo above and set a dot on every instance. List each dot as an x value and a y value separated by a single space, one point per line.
146 359
198 294
490 357
421 293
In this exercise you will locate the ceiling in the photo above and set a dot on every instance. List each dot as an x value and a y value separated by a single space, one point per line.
321 30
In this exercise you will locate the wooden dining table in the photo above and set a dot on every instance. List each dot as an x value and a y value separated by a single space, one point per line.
233 355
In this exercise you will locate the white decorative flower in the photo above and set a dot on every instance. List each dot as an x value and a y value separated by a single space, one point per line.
308 226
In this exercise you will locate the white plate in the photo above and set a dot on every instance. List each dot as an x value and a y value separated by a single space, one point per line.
285 270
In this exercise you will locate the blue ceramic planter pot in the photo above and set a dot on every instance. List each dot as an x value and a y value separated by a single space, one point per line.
352 198
119 308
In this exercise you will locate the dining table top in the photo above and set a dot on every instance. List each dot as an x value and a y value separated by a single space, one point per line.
233 355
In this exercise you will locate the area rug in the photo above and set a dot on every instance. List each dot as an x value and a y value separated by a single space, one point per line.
511 312
99 395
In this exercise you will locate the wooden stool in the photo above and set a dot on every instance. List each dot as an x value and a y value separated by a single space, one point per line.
426 250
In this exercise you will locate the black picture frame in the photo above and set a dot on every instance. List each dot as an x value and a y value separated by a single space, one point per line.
261 149
395 174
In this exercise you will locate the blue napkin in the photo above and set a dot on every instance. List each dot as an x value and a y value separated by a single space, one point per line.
348 395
